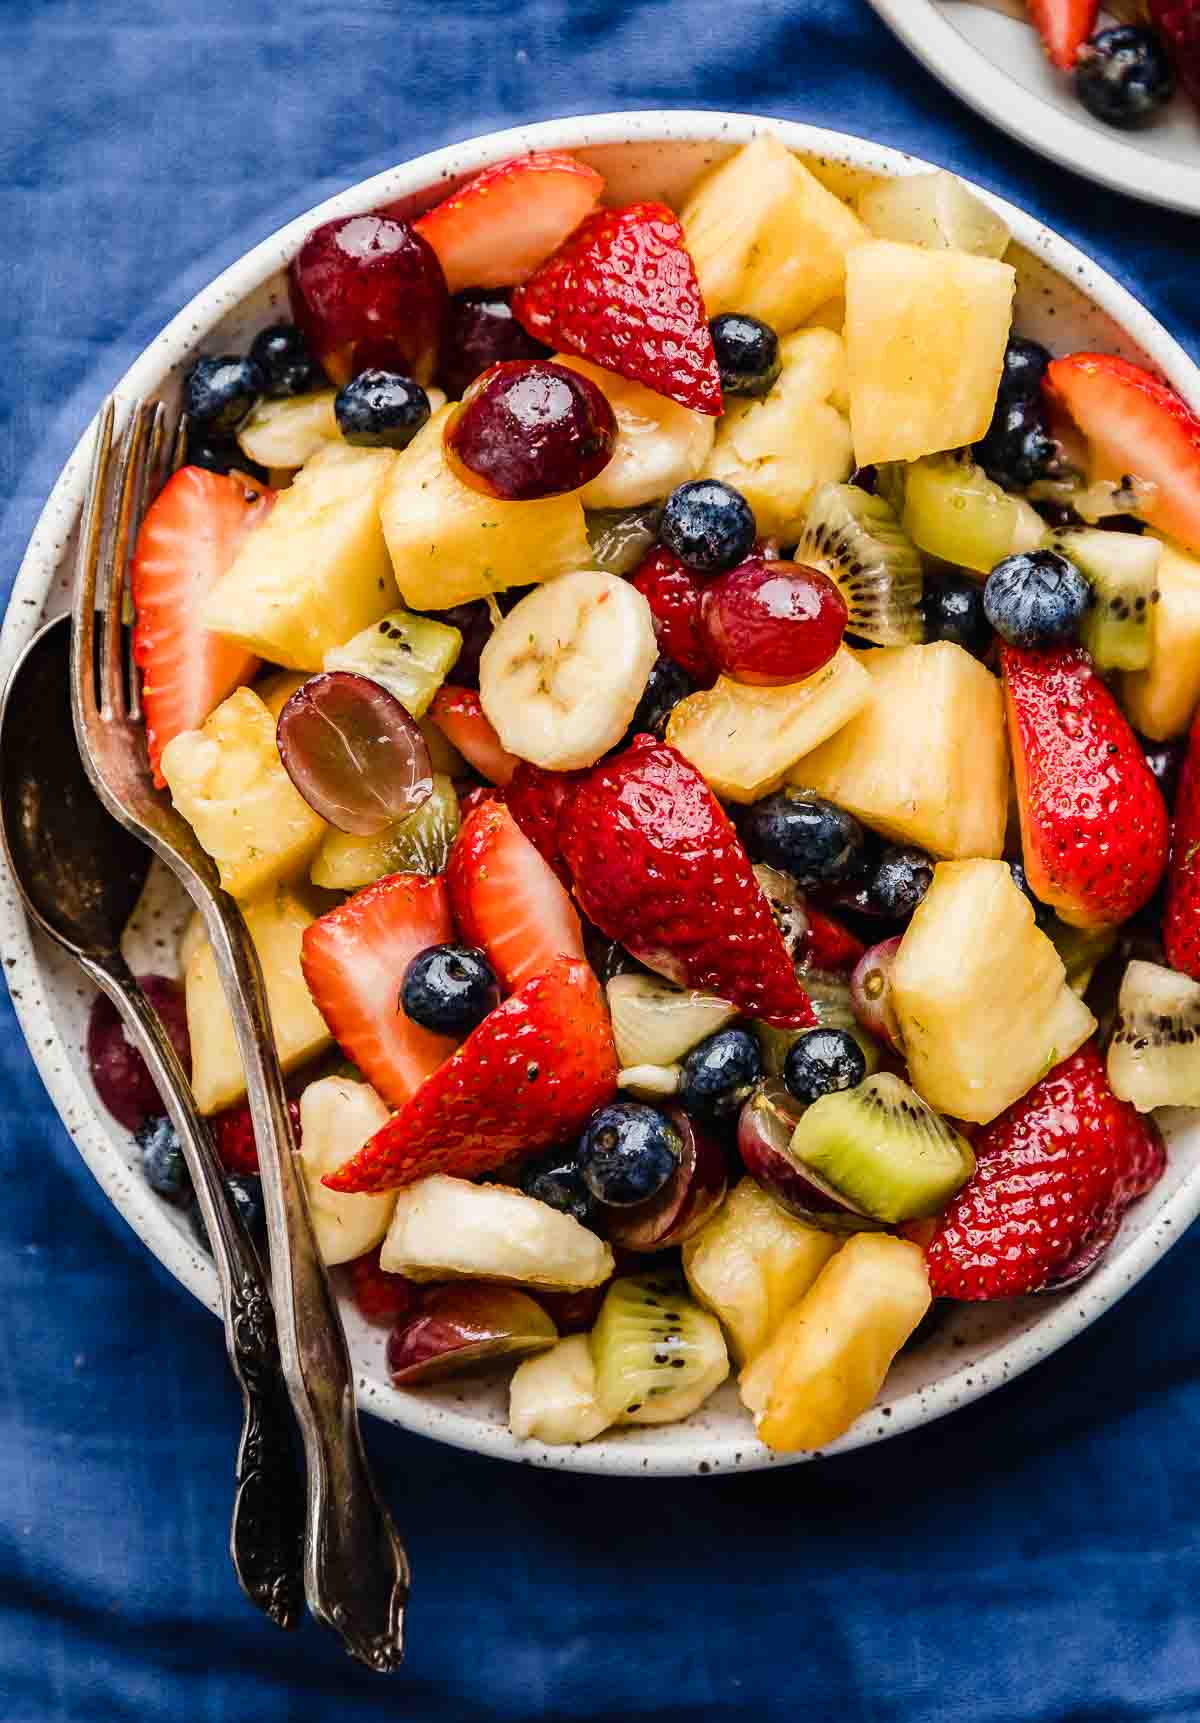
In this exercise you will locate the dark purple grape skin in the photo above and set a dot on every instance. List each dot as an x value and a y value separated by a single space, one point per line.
474 623
123 1081
529 429
353 752
481 331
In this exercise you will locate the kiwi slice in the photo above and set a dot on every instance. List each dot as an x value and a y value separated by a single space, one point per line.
858 541
620 538
882 1150
830 995
1122 570
1154 1056
410 656
656 1353
952 510
419 844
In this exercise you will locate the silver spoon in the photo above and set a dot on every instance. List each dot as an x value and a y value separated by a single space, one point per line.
80 875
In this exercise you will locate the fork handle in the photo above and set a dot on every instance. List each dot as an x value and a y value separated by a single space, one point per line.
356 1571
266 1534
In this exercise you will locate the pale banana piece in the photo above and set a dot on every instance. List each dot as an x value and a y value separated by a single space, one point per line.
660 444
336 1118
449 1229
284 434
561 676
650 1082
552 1398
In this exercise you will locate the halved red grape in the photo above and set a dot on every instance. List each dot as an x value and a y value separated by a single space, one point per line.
353 752
123 1081
772 622
367 290
464 1325
529 429
481 331
764 1136
692 1194
871 993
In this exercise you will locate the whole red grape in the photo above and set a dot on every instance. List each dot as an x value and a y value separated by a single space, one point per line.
529 429
772 622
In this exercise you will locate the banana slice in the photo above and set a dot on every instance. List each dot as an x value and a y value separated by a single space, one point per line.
336 1117
561 676
659 445
449 1229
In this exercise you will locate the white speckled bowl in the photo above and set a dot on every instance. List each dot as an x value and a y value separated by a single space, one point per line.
1065 300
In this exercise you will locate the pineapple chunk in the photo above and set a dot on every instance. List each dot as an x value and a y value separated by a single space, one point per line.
925 339
744 739
751 1262
926 759
767 237
336 1118
1160 700
981 994
777 450
316 571
934 210
276 923
277 689
450 544
228 782
831 1352
289 432
660 444
191 939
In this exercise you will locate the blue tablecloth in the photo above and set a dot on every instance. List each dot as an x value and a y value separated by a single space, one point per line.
1032 1558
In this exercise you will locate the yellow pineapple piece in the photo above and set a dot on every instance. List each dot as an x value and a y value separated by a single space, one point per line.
934 210
289 432
830 1354
767 237
777 450
925 339
228 782
925 761
660 444
981 994
1160 700
450 544
751 1262
743 740
277 689
276 923
191 939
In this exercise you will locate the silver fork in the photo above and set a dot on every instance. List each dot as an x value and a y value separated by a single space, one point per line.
356 1574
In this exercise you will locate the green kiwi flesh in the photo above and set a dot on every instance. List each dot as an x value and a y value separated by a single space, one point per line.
1122 570
651 1341
857 540
1154 1055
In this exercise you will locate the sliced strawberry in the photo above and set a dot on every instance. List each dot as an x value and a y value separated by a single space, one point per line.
1181 923
1053 1176
1093 820
508 900
622 292
537 800
1064 26
496 229
477 797
829 945
1135 426
1179 21
234 1133
529 1076
459 715
354 960
190 536
673 594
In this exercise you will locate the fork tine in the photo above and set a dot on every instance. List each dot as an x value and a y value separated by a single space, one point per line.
112 675
148 487
178 453
91 533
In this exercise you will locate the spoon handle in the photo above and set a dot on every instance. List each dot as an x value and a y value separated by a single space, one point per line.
266 1534
356 1572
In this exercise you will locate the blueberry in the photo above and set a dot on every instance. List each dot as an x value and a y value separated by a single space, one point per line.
1036 598
449 989
1165 760
1017 448
1025 364
747 352
281 354
801 835
245 1190
1125 76
163 1165
381 410
900 880
556 1179
218 393
953 610
1043 915
821 1061
665 687
627 1153
719 1074
221 455
708 525
607 956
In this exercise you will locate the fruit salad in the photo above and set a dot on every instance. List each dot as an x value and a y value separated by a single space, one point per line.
1125 72
689 703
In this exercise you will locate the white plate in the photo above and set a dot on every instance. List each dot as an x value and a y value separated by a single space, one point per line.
994 61
1065 300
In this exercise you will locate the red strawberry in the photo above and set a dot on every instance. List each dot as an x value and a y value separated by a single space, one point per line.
537 799
658 866
673 594
527 1077
508 900
460 717
1179 21
234 1133
477 797
1064 26
354 960
1181 923
189 537
381 1297
1137 426
1053 1173
622 291
496 229
1093 821
829 945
